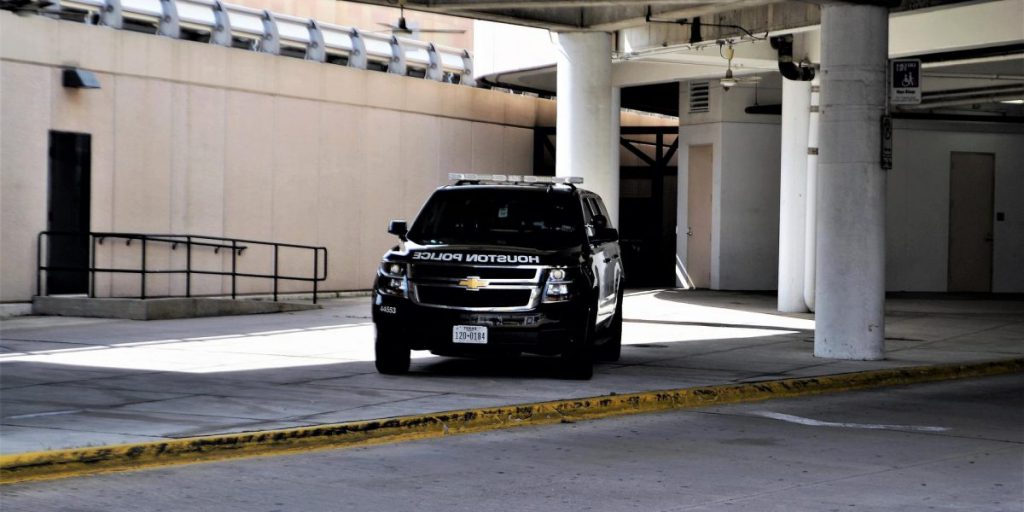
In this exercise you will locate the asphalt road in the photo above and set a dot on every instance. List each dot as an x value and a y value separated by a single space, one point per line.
947 446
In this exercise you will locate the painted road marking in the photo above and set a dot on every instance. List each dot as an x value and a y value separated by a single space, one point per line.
41 414
869 426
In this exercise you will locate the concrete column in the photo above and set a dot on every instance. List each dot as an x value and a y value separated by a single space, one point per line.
612 199
796 99
850 302
811 224
584 106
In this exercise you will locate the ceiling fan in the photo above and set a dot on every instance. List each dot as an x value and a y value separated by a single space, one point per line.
405 27
729 81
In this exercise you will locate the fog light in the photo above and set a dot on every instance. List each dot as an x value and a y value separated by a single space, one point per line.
558 289
556 292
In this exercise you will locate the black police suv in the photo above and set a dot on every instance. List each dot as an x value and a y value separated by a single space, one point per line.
502 265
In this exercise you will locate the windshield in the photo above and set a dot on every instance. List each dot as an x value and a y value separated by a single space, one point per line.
528 217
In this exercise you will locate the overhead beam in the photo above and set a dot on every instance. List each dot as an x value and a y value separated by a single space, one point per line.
453 6
572 15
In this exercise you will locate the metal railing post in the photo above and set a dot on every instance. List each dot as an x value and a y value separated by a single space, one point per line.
234 271
276 248
143 267
188 266
39 263
316 272
92 266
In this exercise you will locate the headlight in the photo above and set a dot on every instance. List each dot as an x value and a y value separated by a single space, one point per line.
392 269
393 280
557 287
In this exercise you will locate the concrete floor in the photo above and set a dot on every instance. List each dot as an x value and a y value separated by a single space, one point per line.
951 446
72 382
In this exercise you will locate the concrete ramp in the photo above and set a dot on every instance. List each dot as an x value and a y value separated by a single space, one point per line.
159 309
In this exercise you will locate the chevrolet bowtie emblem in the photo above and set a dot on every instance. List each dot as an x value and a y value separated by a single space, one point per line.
473 283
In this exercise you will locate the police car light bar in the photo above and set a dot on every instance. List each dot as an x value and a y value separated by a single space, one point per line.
502 178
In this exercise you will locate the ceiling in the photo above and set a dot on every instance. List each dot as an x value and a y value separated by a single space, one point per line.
560 15
969 65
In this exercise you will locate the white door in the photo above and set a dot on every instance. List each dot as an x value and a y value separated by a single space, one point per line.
698 214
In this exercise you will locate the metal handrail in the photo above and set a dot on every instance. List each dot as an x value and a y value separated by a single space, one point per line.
237 246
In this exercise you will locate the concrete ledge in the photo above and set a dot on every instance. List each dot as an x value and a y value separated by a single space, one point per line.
158 309
15 309
81 461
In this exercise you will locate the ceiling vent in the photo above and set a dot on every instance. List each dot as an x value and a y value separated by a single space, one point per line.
699 100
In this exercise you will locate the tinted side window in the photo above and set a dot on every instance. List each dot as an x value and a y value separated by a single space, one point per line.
594 206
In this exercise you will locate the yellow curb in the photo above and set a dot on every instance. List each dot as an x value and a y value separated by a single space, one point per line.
82 461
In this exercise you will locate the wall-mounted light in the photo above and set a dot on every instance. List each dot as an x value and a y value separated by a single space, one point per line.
75 78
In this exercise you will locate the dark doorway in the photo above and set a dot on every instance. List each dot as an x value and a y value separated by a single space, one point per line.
647 200
68 213
647 206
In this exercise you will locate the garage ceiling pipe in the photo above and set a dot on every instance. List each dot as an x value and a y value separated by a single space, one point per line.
789 69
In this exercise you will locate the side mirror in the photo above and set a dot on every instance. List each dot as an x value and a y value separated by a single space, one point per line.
602 232
398 228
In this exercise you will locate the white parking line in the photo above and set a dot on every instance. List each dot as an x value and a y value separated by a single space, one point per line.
870 426
41 414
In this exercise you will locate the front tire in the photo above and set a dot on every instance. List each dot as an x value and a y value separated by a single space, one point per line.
611 351
577 361
392 355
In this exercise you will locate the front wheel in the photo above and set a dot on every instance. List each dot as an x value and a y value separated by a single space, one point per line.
577 361
392 356
611 351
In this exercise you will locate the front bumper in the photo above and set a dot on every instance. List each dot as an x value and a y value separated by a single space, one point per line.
547 329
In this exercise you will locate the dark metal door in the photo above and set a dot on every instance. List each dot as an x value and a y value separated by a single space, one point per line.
971 189
68 212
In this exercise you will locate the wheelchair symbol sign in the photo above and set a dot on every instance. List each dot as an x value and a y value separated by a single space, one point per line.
905 85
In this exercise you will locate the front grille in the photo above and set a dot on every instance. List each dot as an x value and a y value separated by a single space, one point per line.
462 298
424 271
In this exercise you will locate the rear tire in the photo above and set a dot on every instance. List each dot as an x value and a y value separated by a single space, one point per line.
392 356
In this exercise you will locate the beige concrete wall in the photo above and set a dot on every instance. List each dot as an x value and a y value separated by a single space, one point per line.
192 138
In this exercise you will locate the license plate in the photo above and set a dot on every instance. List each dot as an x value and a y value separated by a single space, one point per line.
469 334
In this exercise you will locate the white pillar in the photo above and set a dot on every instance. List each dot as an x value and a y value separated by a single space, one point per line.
584 124
612 199
796 99
850 302
811 225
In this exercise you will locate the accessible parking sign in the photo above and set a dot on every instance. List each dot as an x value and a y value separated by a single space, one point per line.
905 88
